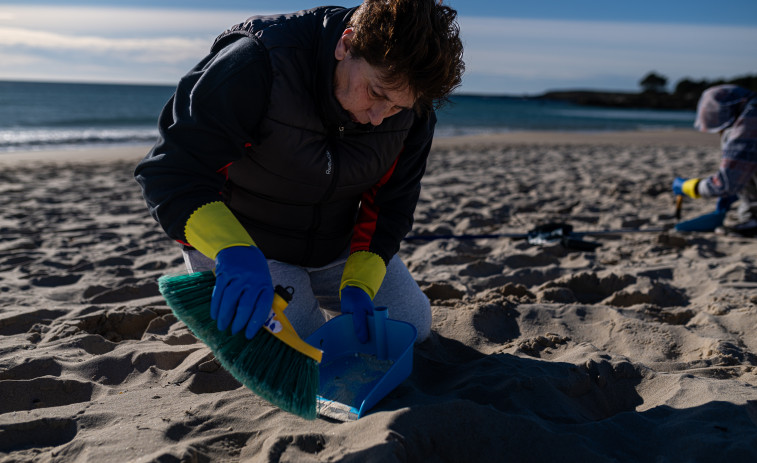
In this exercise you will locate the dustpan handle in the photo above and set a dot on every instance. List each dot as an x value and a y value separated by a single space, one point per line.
379 320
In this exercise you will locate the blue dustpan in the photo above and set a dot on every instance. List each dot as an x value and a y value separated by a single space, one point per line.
353 376
704 223
710 221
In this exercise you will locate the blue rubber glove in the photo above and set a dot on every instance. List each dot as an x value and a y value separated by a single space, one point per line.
359 304
678 186
243 294
724 203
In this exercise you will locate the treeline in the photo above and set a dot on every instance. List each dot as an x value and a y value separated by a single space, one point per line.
653 93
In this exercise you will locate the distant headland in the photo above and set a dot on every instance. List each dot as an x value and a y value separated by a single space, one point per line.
653 94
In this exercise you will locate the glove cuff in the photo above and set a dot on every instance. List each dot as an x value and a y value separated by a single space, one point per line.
364 270
213 227
690 188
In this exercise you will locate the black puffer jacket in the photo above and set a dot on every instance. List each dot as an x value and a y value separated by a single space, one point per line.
256 122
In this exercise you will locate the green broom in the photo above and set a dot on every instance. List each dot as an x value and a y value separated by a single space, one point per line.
276 363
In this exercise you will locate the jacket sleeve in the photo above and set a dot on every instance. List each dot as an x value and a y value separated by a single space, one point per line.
202 129
386 210
731 178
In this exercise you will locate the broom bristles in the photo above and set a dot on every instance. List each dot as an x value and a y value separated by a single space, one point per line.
269 367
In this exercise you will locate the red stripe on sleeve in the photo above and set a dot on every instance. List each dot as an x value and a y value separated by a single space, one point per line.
225 170
368 216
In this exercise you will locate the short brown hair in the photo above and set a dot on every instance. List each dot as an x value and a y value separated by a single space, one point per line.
414 42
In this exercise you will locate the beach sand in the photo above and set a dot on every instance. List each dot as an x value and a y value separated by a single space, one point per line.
642 350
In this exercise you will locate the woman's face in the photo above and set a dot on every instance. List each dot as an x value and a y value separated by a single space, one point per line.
360 91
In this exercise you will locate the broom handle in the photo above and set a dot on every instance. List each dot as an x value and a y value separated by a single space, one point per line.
278 325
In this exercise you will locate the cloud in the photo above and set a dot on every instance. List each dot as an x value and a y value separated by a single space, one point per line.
163 49
103 44
120 22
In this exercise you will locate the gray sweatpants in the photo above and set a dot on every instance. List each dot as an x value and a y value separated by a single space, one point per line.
316 292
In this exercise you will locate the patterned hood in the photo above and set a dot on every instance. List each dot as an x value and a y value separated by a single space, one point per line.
720 106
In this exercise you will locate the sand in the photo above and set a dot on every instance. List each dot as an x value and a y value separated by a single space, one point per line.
641 350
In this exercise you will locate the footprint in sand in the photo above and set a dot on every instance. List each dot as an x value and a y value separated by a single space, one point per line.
37 433
646 291
616 290
443 291
588 287
33 368
123 293
52 281
114 325
17 323
44 392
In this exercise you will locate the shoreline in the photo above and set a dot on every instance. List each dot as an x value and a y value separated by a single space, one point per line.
104 154
83 154
673 137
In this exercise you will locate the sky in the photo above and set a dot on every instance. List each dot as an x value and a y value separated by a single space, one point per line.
513 48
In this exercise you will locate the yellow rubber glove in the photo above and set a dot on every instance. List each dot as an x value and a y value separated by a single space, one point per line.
213 227
364 270
686 186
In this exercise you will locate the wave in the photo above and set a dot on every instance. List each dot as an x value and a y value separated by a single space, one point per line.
36 139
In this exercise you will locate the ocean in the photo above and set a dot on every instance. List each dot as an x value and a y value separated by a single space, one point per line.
36 116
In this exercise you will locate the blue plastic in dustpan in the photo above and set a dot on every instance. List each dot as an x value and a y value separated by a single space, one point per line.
704 223
710 221
355 376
